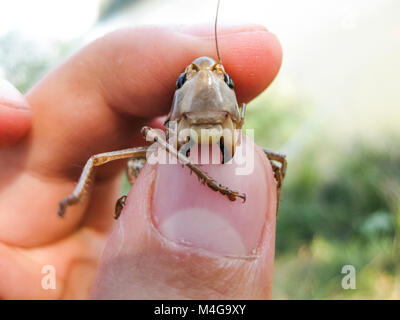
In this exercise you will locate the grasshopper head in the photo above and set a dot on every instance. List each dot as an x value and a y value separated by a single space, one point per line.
205 106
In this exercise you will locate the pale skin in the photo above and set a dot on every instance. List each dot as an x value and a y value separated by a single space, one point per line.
97 101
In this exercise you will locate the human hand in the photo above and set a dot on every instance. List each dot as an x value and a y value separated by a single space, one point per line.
175 238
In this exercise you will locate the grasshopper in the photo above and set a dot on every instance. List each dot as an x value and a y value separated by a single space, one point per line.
204 111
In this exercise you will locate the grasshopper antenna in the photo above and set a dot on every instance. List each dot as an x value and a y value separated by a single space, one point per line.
216 34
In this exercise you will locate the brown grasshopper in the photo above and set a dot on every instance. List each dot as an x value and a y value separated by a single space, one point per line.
204 110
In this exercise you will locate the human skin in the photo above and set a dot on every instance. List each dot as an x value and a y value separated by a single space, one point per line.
175 238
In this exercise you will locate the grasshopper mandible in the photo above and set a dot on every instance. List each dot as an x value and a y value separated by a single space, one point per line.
204 110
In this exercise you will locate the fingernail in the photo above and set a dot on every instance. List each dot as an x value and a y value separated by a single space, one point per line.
191 214
10 97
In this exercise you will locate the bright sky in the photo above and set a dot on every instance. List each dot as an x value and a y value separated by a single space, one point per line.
64 19
48 19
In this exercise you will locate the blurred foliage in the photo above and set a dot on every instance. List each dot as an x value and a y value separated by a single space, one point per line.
23 62
340 205
276 115
351 203
110 8
348 217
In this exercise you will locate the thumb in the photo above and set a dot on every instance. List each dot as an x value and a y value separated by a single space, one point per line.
15 114
177 239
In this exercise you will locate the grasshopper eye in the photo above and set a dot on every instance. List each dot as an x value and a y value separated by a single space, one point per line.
228 80
181 80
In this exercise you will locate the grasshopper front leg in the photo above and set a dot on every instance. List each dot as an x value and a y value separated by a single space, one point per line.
153 135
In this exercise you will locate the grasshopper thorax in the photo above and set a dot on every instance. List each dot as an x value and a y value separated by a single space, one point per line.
205 108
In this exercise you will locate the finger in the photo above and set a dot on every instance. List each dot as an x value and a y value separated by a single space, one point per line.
15 115
176 239
21 277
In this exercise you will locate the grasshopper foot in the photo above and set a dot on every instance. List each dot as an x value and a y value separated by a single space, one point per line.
232 195
64 203
119 205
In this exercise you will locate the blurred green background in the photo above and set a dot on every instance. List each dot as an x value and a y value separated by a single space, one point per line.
334 110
